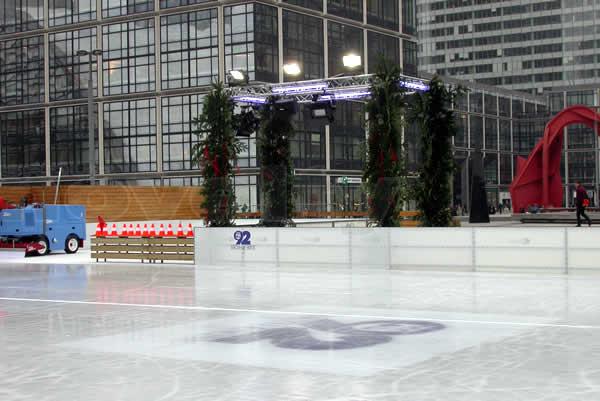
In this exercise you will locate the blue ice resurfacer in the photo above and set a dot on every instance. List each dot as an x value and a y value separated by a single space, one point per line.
40 229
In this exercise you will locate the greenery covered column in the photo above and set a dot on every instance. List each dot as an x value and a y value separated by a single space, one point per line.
436 120
276 169
216 154
384 167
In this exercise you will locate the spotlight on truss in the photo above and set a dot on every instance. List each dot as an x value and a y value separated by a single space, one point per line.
292 69
237 78
321 109
352 61
248 123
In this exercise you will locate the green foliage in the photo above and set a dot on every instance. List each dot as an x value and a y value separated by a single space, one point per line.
436 120
276 169
383 175
216 154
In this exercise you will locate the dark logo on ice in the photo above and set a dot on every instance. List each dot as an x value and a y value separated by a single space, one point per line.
242 240
328 334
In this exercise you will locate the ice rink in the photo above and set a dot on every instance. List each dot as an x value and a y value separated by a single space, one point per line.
139 332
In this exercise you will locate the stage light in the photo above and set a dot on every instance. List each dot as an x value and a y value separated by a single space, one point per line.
352 61
248 123
237 77
321 109
292 69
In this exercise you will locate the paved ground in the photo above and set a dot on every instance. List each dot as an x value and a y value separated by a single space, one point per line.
136 332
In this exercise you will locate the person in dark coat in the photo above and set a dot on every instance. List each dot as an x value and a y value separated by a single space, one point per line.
581 197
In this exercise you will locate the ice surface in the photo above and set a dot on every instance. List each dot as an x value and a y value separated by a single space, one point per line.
139 332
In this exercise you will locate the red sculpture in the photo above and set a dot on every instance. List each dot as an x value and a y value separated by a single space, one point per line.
537 179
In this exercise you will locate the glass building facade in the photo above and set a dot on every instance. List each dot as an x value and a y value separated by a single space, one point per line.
532 46
159 58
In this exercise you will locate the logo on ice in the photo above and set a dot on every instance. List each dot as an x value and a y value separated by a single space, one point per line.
242 240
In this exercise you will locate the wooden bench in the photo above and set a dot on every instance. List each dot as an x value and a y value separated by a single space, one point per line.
143 249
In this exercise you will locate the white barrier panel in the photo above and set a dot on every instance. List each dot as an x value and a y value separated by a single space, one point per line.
431 247
584 248
550 249
540 248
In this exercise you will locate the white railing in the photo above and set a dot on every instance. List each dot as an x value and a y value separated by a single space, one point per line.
548 249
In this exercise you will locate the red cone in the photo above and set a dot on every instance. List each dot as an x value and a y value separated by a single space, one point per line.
138 231
190 232
169 231
180 233
113 232
145 232
124 231
161 231
152 232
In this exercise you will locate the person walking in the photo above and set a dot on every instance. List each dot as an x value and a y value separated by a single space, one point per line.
581 202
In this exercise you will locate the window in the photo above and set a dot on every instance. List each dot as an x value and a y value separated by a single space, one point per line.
490 168
380 46
580 137
383 13
177 3
114 8
69 140
69 73
128 59
72 12
476 102
582 167
22 71
491 133
21 15
303 43
348 137
251 41
409 17
311 4
189 49
352 9
460 139
476 131
505 143
308 143
343 40
310 193
130 136
409 57
23 150
504 105
178 135
505 169
246 197
491 107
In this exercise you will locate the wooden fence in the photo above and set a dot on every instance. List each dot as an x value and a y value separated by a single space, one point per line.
116 202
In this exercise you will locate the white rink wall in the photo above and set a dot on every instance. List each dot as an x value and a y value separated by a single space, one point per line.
547 249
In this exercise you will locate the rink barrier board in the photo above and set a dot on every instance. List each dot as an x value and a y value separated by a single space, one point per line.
550 249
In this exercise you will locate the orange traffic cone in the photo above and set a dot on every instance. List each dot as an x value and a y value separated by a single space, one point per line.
138 230
124 232
152 232
161 231
169 231
99 232
190 232
145 232
131 233
180 231
113 232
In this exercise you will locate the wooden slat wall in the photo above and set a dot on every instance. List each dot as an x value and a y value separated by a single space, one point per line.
118 203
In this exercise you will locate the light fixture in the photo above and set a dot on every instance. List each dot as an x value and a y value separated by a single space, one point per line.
292 89
321 108
237 77
352 61
292 69
248 123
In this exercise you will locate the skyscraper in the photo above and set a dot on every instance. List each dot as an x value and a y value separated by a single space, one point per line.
529 45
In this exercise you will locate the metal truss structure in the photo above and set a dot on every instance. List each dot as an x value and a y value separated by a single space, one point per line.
354 87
